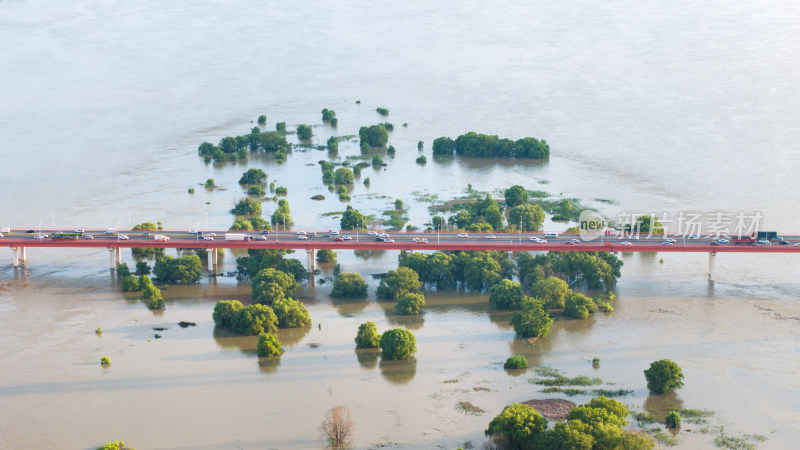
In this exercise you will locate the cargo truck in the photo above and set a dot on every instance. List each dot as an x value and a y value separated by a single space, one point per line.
160 237
236 237
754 237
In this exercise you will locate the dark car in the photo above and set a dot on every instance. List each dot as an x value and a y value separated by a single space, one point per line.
714 243
378 239
784 242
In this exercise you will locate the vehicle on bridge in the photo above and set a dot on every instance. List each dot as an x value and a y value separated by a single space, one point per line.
161 237
755 237
236 237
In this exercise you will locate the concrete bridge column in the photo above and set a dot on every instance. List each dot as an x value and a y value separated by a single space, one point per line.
16 256
712 257
215 258
211 252
24 257
111 260
119 256
312 261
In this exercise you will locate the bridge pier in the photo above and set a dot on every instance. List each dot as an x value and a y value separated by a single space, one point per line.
712 257
24 258
312 262
215 258
16 256
111 259
119 256
210 252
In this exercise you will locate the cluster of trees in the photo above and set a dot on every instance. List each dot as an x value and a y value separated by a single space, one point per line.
343 175
490 146
374 135
304 132
595 270
262 259
349 285
258 319
253 176
664 376
185 269
352 219
326 255
481 215
247 207
269 285
395 344
282 215
250 224
598 424
328 114
147 252
402 285
238 147
333 144
382 111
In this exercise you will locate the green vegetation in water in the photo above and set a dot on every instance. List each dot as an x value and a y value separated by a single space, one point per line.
255 190
396 218
662 438
743 442
349 285
515 362
420 145
673 419
374 135
425 197
115 445
98 331
318 197
663 376
238 147
367 336
328 114
269 345
382 111
695 416
486 146
105 360
422 159
252 176
397 344
561 380
280 126
304 132
281 190
247 207
644 417
210 183
335 122
191 190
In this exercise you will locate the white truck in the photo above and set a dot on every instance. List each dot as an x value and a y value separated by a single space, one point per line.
111 231
160 237
236 237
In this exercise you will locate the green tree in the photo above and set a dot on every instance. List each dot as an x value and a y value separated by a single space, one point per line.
444 146
515 362
328 114
516 195
374 136
247 207
493 216
304 132
410 304
224 311
325 255
130 283
531 320
663 376
262 119
269 345
335 122
506 294
578 305
352 219
254 320
282 215
518 425
530 217
210 183
142 268
377 160
382 111
123 270
367 336
552 290
115 445
253 176
397 283
343 175
419 145
333 144
398 343
157 302
186 269
255 190
349 285
270 284
291 313
294 268
673 419
421 159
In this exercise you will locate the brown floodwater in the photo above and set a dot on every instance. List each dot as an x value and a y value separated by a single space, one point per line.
203 387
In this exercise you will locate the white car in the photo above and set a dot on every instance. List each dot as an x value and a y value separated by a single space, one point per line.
491 236
723 241
193 232
347 238
208 238
372 233
88 236
462 235
797 244
302 233
764 241
79 231
575 241
383 235
331 232
694 236
123 237
302 237
259 238
40 236
212 234
670 240
624 243
667 243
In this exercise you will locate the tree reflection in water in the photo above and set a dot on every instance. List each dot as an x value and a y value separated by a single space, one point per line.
368 357
269 365
399 372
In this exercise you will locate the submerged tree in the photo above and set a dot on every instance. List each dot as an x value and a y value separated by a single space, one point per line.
337 426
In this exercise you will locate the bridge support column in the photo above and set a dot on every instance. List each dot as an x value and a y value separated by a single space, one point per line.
215 258
712 257
312 261
111 262
211 252
16 256
24 258
119 256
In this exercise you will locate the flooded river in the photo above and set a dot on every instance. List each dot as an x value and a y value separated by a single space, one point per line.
663 106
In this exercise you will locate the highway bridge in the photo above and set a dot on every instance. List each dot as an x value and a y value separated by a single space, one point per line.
311 240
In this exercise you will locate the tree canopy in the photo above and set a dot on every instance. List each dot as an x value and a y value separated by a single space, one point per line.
183 270
367 336
506 294
304 132
374 135
516 195
552 290
253 176
529 217
269 285
398 343
352 219
663 376
291 313
531 320
397 283
343 175
349 285
410 304
269 345
254 320
224 311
